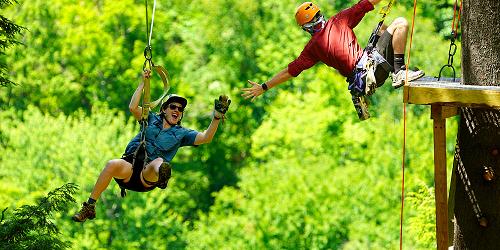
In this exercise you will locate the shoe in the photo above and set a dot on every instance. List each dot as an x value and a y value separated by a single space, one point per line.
398 79
164 175
87 212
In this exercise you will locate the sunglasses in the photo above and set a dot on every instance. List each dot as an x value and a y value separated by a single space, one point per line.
174 107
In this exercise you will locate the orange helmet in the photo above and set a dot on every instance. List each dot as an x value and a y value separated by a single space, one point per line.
305 13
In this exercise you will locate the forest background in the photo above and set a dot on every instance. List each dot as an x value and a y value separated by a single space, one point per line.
293 170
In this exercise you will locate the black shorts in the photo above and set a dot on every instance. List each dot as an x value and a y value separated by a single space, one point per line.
135 183
384 47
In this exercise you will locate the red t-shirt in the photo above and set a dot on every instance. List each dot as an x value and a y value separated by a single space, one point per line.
336 45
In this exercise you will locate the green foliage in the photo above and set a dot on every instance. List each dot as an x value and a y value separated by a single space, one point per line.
423 223
31 227
440 13
8 32
40 150
71 47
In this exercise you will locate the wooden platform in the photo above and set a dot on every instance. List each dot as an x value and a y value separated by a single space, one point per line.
428 90
445 97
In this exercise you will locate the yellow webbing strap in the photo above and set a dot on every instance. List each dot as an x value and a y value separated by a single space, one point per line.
163 73
146 96
147 104
386 10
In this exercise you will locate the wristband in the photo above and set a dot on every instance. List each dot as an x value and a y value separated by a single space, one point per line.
264 86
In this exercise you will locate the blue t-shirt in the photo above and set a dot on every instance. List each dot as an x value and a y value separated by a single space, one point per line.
162 142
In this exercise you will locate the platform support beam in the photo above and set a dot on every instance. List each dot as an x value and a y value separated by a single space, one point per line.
439 114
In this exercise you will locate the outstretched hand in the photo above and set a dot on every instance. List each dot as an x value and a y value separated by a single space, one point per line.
252 92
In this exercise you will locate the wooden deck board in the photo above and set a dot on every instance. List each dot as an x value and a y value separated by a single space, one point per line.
428 90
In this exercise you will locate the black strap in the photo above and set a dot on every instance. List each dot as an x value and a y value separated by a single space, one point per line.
148 182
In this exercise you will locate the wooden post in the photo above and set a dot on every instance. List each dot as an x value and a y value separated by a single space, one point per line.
439 118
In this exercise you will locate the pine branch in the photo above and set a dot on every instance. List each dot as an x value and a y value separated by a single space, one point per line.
4 3
3 213
31 226
8 32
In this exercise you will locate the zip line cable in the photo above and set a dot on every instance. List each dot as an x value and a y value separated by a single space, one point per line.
148 52
152 22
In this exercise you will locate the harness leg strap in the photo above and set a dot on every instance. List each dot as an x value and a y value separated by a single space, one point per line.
152 183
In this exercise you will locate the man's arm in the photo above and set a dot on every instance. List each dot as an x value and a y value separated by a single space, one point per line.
134 101
353 15
257 89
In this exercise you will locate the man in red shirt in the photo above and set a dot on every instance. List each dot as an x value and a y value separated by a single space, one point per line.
334 43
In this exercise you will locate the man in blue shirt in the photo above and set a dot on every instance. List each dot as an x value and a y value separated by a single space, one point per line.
145 164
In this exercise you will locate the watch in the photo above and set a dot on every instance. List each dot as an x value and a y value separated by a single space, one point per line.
264 86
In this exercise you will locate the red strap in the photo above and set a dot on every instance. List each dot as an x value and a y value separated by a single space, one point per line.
456 15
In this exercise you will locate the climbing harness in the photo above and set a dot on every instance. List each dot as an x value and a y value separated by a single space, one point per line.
363 80
454 33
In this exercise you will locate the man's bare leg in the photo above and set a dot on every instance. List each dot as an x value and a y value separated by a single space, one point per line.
399 31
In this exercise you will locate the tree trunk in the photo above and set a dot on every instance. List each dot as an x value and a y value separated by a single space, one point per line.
479 132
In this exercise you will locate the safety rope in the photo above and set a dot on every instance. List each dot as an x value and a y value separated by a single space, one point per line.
402 181
404 133
454 33
456 13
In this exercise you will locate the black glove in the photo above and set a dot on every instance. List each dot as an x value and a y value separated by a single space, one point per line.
221 106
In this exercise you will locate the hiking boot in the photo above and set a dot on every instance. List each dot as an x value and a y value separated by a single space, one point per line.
164 175
87 212
398 79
